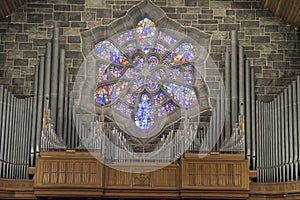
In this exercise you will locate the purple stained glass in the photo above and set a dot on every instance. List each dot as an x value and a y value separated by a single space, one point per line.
166 38
104 94
159 98
138 84
185 52
130 48
124 37
159 74
160 48
188 73
166 109
108 52
144 117
131 73
138 60
102 72
122 107
152 61
183 95
175 73
130 98
115 72
145 31
152 85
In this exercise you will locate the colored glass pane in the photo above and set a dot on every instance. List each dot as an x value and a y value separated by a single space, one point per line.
188 73
166 38
185 52
130 48
130 98
145 31
104 94
108 52
159 74
159 98
160 48
166 109
124 37
115 72
122 107
131 73
152 85
138 60
138 84
144 116
183 95
102 72
175 73
152 61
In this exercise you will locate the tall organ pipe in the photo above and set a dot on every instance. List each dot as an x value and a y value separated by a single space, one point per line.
234 78
66 103
249 150
54 76
295 130
253 124
228 95
60 115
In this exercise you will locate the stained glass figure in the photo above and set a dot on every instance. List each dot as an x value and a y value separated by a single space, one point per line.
145 31
122 107
102 72
108 52
115 72
144 116
185 52
166 109
183 95
188 73
159 98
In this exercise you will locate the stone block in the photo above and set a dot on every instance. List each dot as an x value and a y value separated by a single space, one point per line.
220 5
35 18
293 36
272 28
263 13
95 3
73 54
60 16
76 1
25 46
74 16
21 62
292 53
208 21
245 14
19 17
104 13
15 28
18 81
190 2
29 54
260 39
250 23
39 5
168 9
40 42
74 39
77 8
118 13
275 57
264 82
30 28
62 7
79 24
230 12
229 27
241 5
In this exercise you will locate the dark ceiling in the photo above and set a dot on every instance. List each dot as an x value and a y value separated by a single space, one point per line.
288 10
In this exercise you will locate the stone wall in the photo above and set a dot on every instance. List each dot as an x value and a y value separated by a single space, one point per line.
272 46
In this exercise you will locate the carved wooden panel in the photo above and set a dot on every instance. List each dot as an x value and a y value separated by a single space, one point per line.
67 170
217 173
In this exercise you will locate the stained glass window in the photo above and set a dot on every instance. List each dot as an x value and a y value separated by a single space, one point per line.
145 73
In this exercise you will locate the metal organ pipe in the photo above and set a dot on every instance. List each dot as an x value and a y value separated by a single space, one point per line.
61 92
228 96
249 150
234 73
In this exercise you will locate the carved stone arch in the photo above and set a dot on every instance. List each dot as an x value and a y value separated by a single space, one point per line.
145 9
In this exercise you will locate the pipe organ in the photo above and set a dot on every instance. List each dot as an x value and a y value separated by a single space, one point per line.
267 133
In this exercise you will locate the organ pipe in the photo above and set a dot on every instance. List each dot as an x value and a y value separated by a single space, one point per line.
234 77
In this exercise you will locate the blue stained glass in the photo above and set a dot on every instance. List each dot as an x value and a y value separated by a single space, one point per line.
188 73
138 84
130 98
124 37
102 72
115 72
122 107
145 31
175 73
185 52
152 85
159 74
104 94
131 73
108 52
130 48
183 95
152 61
166 38
144 117
159 98
160 48
166 109
138 60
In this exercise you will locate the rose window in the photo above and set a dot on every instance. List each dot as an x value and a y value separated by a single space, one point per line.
146 75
